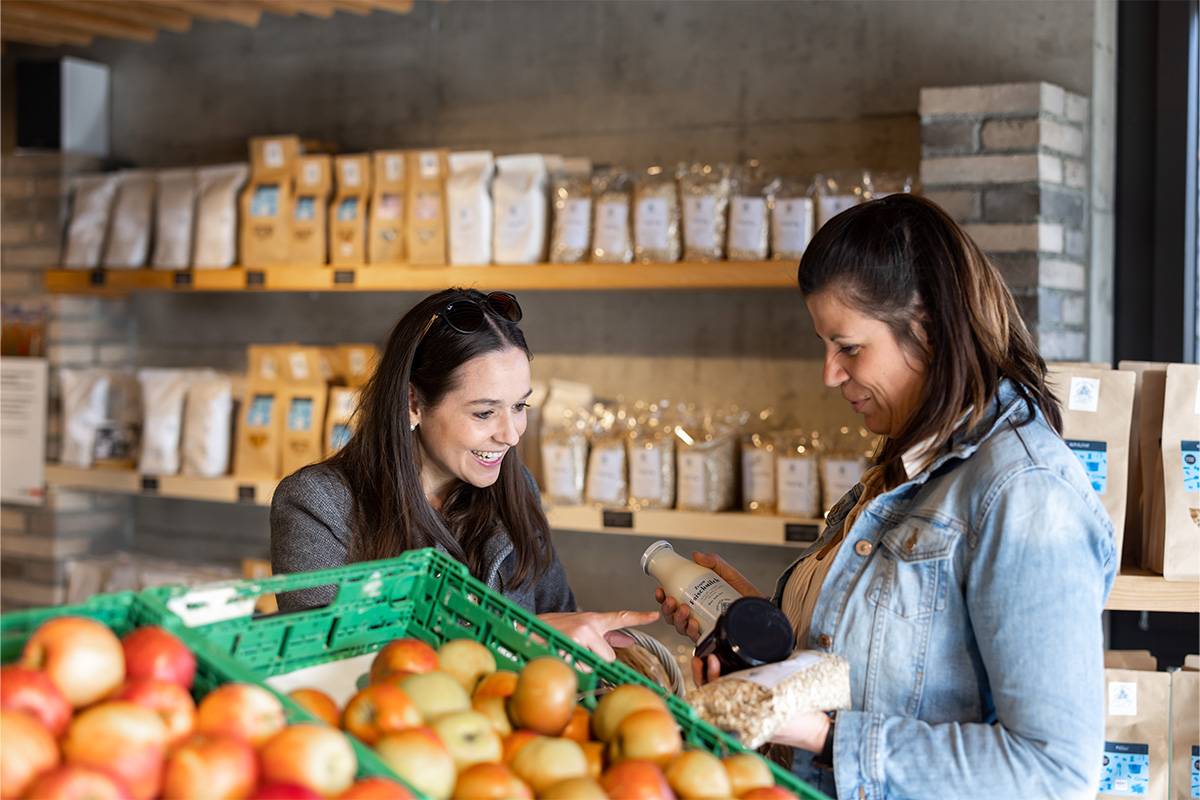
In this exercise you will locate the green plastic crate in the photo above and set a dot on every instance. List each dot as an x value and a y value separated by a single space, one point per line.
423 594
124 611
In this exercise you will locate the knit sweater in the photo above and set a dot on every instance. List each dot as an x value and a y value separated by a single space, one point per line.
310 530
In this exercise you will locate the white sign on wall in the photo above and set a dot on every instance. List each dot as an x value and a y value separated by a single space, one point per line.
22 430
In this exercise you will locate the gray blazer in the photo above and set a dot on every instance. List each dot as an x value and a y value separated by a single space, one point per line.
309 531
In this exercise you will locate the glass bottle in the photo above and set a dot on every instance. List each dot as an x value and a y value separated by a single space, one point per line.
694 585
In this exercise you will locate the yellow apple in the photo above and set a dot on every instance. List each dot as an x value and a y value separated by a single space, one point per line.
698 775
467 660
575 789
419 756
616 704
470 738
491 782
495 709
747 771
544 698
435 693
647 734
548 760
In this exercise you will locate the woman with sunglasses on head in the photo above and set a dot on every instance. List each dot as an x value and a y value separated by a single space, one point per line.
432 462
964 578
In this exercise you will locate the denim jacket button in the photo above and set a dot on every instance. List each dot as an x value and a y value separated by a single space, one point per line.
863 547
825 641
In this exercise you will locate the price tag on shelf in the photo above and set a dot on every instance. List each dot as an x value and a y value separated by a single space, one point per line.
245 494
149 484
182 280
615 518
255 278
344 276
98 277
800 532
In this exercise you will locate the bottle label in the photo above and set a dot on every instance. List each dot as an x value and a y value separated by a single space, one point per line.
708 596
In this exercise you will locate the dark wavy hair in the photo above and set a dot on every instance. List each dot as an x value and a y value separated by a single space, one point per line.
902 260
380 465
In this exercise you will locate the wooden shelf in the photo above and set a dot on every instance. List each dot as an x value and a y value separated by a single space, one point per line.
712 275
1133 590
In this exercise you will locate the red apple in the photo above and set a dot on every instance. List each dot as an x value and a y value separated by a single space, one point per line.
376 789
319 704
32 691
419 757
491 782
152 652
82 656
470 738
378 709
311 755
170 701
615 704
241 710
467 660
768 793
636 780
647 734
698 774
403 655
544 698
284 791
76 783
28 749
220 768
500 683
122 738
747 771
547 760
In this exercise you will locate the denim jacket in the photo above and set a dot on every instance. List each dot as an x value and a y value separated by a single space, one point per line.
968 602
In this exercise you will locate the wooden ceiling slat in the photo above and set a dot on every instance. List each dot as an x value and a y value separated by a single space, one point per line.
359 7
315 8
218 11
35 13
395 6
129 11
283 8
43 36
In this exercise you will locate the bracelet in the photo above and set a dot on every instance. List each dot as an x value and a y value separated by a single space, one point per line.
824 759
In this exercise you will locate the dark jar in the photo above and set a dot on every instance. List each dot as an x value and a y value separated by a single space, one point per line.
753 631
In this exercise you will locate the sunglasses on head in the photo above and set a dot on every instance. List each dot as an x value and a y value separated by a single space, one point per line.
465 315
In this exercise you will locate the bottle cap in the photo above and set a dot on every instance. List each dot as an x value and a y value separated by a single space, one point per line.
659 545
753 631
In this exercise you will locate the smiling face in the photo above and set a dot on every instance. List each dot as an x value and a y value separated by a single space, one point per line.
466 435
880 379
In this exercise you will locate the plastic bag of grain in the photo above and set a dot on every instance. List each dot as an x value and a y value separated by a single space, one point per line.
793 216
651 455
844 459
91 202
571 195
656 234
798 474
749 220
838 190
704 200
607 481
612 236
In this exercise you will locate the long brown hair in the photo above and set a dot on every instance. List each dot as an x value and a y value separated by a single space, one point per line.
902 260
380 465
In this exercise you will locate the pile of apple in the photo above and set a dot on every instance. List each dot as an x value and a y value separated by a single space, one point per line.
84 714
451 724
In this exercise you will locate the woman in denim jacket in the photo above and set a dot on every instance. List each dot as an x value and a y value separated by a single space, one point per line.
964 577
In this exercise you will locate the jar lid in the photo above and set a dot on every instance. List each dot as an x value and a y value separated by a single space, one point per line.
652 549
758 631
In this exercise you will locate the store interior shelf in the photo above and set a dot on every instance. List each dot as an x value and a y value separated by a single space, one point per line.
1133 590
684 275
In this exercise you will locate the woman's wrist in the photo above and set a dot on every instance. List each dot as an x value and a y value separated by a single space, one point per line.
823 757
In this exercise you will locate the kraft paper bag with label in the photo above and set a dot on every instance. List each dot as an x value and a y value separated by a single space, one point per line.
257 451
1154 388
1097 411
1141 470
425 207
266 232
303 398
310 210
358 362
1181 473
343 402
1185 735
1130 659
1136 751
348 215
385 234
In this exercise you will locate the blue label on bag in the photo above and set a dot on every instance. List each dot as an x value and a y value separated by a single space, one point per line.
1191 466
265 201
347 210
1126 769
339 436
300 414
1195 770
306 209
259 415
1094 457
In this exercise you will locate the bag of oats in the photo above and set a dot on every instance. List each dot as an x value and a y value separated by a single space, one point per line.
1136 753
571 195
612 235
755 704
216 239
175 211
128 244
91 202
469 209
838 190
704 191
656 234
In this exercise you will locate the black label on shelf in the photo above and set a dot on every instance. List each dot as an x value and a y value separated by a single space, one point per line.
98 277
245 494
149 484
256 277
617 519
183 279
343 276
800 532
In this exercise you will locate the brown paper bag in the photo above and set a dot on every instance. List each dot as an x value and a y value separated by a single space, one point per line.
1181 473
1136 750
1185 735
385 237
1130 659
257 451
1154 387
303 396
310 210
348 216
1097 410
358 362
425 207
1141 470
266 233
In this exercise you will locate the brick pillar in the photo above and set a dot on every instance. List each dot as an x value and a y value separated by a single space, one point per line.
37 543
1010 163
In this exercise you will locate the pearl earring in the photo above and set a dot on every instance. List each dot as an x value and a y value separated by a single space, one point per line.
412 426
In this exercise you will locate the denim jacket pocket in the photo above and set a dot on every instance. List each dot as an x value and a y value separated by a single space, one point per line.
916 577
